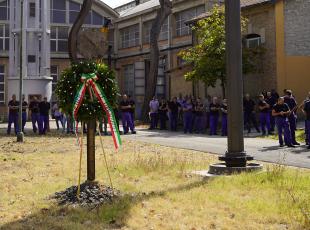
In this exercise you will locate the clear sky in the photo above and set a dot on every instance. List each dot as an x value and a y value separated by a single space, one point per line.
115 3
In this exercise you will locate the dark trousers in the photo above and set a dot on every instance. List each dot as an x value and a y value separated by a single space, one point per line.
207 120
307 131
214 119
59 119
127 122
13 119
173 120
292 121
24 120
36 122
272 122
132 115
154 120
264 119
188 119
44 124
163 120
283 128
248 119
103 127
224 125
199 127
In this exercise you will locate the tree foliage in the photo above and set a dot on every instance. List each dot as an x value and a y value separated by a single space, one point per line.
208 55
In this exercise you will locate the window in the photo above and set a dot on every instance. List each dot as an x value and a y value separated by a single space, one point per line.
54 75
32 9
74 9
58 11
2 101
59 39
253 40
129 81
4 37
161 79
181 28
31 58
4 10
130 36
147 32
97 19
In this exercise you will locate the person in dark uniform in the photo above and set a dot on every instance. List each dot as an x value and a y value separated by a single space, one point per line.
132 109
44 108
162 112
249 113
292 118
13 115
103 125
188 116
35 115
215 108
281 111
224 117
173 107
24 114
306 110
271 102
264 115
126 116
199 119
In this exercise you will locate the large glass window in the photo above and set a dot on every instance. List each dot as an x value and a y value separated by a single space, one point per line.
4 10
74 9
130 36
129 80
147 31
4 37
58 11
181 28
2 99
161 79
59 39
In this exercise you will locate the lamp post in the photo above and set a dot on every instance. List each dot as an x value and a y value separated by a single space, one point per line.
20 134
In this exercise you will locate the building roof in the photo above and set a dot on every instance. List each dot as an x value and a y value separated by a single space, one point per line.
140 8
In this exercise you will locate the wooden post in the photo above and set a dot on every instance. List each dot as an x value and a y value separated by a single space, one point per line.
91 166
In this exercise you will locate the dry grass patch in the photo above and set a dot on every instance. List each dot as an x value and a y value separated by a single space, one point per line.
160 194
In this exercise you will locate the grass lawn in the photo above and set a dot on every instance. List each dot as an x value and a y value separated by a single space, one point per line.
160 193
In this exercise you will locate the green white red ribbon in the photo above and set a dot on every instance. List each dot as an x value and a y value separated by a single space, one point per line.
89 82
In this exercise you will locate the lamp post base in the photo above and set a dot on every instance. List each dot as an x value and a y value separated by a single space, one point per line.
20 137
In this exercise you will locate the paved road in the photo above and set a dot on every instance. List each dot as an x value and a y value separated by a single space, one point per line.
262 149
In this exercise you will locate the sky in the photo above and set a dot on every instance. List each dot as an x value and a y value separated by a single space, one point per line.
115 3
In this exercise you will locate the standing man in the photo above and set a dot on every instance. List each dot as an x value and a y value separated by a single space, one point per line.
249 113
199 108
24 114
44 108
132 109
306 111
264 115
13 115
173 107
215 108
224 117
292 116
271 100
35 115
154 106
126 116
188 116
281 111
162 112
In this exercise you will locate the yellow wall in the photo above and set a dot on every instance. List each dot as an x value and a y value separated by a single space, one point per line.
293 72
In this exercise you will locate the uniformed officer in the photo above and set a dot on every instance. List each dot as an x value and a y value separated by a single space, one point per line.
215 108
292 118
162 112
199 109
281 112
306 110
24 113
249 113
173 107
44 107
132 109
188 116
13 115
271 100
35 114
126 116
264 115
224 117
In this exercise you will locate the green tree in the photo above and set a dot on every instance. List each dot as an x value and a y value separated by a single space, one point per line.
208 57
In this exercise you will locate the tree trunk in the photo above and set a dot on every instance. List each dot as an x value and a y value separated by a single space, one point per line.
163 12
74 32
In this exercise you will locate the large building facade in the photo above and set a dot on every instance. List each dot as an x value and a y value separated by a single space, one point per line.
281 26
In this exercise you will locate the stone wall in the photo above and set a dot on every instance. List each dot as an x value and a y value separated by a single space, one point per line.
297 27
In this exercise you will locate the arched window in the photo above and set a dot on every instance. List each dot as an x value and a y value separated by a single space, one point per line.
253 40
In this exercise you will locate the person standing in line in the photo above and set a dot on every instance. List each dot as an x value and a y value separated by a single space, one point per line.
271 102
224 117
215 108
292 116
173 107
264 115
249 113
13 115
306 110
57 115
187 116
281 111
207 106
35 115
44 107
24 114
126 116
199 108
162 112
181 101
132 109
154 106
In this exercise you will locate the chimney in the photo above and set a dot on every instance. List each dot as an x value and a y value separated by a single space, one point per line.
137 2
